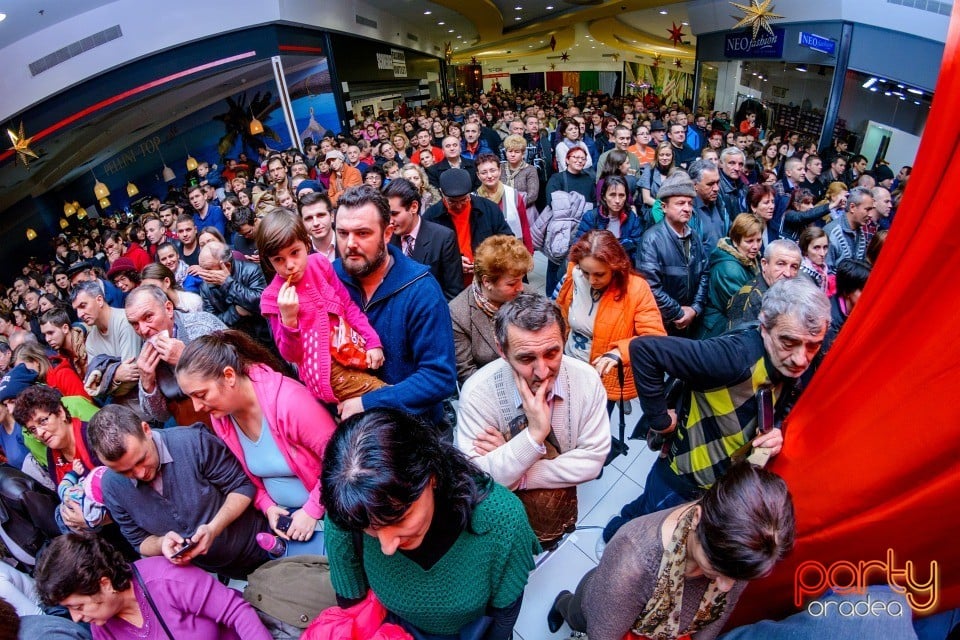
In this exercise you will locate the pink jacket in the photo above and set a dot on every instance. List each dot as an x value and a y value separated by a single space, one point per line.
321 293
300 427
363 621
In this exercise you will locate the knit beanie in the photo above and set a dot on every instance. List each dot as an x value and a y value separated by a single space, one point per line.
678 183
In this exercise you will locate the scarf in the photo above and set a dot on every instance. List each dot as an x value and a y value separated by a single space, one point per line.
495 196
511 174
660 619
482 301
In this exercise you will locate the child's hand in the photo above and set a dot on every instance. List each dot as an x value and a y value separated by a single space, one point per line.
78 467
374 358
289 304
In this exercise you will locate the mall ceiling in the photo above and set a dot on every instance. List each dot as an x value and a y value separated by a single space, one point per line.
495 32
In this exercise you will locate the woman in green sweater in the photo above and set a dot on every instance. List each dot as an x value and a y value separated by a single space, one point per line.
733 263
444 548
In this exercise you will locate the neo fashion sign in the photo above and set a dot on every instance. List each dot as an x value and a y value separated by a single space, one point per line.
741 44
818 43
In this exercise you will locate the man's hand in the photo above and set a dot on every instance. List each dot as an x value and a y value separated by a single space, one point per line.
374 358
127 372
253 257
243 313
350 407
72 516
147 365
168 348
688 316
195 270
490 439
535 407
215 277
467 264
171 543
772 440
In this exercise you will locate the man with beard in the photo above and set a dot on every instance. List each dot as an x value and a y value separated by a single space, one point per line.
403 303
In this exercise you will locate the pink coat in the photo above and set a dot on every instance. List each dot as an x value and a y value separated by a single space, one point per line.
300 427
363 621
321 293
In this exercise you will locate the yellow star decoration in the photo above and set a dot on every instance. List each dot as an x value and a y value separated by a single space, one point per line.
758 15
21 144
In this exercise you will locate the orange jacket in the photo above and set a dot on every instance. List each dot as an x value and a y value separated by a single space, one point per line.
351 178
616 324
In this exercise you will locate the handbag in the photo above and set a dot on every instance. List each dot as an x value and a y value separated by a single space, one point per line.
551 512
294 590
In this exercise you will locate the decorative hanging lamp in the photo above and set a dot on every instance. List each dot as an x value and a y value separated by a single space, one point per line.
100 190
168 174
104 203
256 127
31 234
132 189
69 209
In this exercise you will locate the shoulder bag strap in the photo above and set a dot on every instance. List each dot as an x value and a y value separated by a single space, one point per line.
153 605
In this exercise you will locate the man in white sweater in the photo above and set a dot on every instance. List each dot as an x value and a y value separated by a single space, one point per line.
557 402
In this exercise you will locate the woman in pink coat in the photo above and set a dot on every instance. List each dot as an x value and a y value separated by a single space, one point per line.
271 423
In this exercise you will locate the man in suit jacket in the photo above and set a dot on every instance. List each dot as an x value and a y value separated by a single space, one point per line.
426 242
453 160
472 218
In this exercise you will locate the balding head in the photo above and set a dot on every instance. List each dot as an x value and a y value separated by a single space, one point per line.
215 256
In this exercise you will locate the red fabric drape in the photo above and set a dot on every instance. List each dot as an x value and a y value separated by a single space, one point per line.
571 79
872 450
555 81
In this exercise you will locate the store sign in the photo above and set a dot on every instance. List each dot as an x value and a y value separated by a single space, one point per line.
817 43
399 64
741 44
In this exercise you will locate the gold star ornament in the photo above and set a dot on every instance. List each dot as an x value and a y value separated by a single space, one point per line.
757 15
21 144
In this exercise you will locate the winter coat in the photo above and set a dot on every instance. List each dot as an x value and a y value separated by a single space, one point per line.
729 271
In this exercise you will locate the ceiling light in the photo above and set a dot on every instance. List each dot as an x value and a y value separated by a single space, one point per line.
916 102
3 16
518 8
441 23
869 83
450 30
801 67
886 93
686 24
518 18
459 37
874 89
549 7
426 13
663 12
900 86
916 92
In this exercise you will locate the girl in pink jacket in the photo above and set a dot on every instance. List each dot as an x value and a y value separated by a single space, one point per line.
314 322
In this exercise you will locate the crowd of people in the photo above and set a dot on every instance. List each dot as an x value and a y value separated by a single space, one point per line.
337 352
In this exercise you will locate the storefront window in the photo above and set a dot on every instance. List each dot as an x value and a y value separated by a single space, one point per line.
785 96
885 118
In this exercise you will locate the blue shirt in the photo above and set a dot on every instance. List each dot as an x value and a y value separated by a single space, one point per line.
13 446
215 218
265 461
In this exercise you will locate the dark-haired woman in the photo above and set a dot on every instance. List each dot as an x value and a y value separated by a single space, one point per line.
734 262
615 214
150 598
272 424
445 549
679 572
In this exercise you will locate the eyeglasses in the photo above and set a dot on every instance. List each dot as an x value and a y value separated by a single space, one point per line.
42 423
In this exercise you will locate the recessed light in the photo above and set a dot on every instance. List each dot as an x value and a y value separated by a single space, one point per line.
663 12
441 23
549 7
426 13
686 24
459 37
450 30
518 8
3 17
518 18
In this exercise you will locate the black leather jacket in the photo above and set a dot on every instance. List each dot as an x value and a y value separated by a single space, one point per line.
675 280
243 289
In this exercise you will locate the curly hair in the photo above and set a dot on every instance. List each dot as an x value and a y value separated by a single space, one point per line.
500 255
37 398
74 564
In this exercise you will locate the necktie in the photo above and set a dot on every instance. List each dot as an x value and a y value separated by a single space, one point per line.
408 245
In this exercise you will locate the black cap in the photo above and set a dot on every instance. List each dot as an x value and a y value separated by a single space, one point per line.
74 269
455 183
657 125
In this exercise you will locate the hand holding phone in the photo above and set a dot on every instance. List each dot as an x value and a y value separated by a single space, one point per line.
283 523
187 545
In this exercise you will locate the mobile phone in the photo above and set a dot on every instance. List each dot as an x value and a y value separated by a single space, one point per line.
187 545
283 523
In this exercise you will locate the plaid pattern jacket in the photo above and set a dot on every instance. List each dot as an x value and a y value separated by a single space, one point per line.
722 376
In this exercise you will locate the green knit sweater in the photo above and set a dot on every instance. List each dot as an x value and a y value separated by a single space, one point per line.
486 568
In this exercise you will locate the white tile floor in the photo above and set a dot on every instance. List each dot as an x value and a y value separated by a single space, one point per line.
599 500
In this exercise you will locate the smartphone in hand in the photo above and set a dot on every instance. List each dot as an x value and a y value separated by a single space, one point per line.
284 523
187 545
